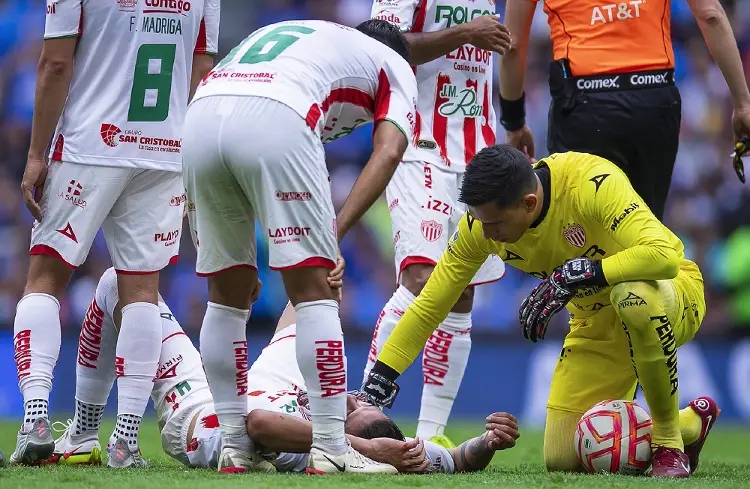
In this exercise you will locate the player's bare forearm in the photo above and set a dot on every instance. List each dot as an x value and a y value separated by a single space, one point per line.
519 15
54 74
721 43
428 46
202 64
389 144
472 455
279 432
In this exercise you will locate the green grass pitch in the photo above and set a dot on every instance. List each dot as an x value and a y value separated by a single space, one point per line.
725 463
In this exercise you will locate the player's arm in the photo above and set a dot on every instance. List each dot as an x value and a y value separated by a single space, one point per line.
389 144
519 15
393 120
649 247
207 44
467 250
722 44
54 72
278 432
477 453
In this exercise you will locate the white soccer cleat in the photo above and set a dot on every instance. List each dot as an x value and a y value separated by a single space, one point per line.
35 446
351 462
73 449
235 461
120 456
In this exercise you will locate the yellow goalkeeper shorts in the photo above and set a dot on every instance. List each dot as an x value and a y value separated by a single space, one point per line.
595 362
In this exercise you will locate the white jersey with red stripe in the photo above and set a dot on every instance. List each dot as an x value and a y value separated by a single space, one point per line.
276 384
334 77
180 383
131 77
455 116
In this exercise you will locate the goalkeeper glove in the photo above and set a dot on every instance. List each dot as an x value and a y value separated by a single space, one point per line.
554 293
741 148
380 387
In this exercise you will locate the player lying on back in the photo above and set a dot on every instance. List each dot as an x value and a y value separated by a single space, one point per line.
253 149
278 420
575 221
187 418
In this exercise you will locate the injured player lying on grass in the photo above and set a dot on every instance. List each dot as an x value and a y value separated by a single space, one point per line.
279 417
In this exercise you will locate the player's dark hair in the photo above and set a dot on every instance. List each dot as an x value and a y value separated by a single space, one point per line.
388 34
499 174
381 428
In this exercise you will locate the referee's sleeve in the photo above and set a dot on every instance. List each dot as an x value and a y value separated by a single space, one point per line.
465 254
651 251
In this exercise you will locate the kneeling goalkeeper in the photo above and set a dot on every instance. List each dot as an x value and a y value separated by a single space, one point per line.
574 220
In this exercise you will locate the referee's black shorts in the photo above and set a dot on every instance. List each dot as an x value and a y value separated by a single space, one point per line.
631 119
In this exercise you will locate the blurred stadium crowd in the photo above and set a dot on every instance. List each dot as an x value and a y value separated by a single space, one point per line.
708 207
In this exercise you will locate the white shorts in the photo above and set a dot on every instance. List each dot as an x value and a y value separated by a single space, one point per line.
139 211
425 211
252 157
200 450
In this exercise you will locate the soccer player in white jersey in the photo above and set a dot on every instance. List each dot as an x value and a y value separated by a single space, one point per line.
452 43
188 423
254 137
112 90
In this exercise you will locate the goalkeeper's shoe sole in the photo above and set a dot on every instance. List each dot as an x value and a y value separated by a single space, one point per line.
708 410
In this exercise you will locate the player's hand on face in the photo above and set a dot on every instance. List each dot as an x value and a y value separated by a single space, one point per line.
522 140
488 33
406 456
33 180
502 431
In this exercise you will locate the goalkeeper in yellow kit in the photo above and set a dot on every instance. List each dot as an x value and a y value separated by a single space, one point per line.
574 220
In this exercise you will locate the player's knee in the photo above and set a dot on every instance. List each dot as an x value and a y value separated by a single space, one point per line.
414 277
631 300
233 287
256 425
307 284
562 463
47 275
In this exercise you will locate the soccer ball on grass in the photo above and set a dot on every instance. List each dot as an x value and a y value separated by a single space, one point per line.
615 437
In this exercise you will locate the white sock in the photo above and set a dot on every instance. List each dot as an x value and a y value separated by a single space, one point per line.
444 362
389 317
126 427
36 347
137 359
95 370
223 345
322 362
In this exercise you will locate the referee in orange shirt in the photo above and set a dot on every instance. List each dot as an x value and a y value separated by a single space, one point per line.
612 83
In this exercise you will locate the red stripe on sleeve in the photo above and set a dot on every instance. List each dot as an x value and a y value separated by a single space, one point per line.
382 97
200 42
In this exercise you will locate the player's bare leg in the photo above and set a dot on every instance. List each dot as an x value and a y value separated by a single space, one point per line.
322 362
445 355
223 345
136 362
36 344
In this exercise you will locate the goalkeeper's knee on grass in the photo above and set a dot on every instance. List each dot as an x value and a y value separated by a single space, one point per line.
559 450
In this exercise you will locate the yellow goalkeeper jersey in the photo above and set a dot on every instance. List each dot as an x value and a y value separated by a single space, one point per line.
591 211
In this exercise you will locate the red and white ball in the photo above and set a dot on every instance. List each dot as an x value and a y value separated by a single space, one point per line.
614 437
